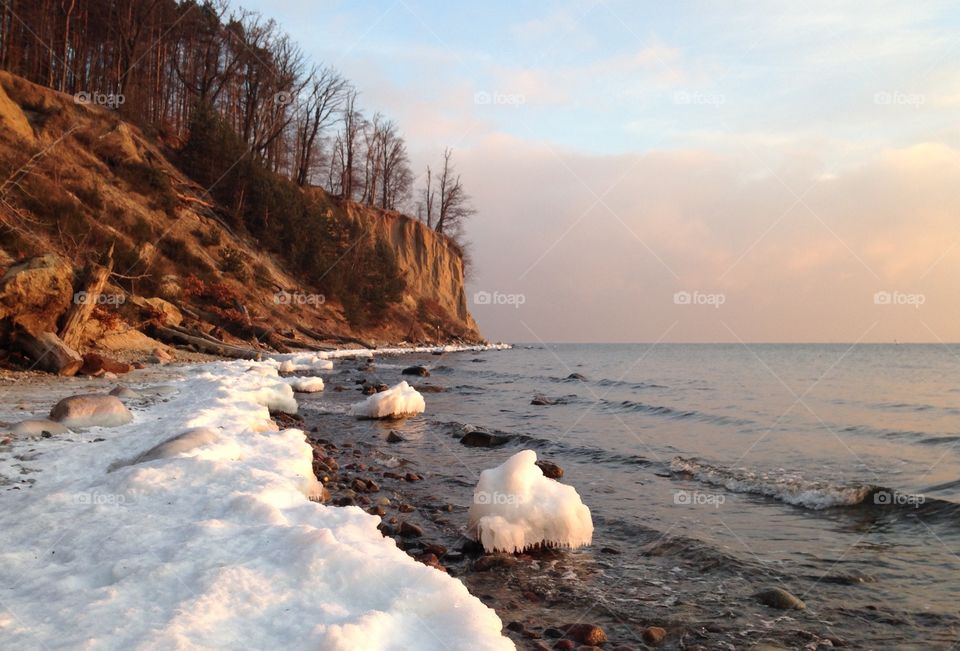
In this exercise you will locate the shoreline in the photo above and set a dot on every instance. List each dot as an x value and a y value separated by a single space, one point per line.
119 527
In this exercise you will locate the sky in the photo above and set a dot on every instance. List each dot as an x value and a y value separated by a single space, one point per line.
682 172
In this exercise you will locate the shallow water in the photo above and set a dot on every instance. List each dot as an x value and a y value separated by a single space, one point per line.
715 471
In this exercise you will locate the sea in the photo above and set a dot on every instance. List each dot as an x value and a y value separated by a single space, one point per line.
712 472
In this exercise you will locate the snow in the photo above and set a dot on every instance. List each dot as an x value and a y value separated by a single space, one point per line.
397 401
306 384
209 539
515 507
37 426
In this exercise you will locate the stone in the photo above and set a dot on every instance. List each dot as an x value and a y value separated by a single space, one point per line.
97 364
550 470
589 634
654 634
430 388
409 530
38 427
124 393
394 437
481 439
779 598
94 410
415 370
490 561
407 508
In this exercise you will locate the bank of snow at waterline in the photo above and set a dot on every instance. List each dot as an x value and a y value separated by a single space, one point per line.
191 527
515 508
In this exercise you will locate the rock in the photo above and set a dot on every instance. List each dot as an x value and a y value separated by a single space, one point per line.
779 598
654 634
550 470
96 364
344 501
38 427
36 292
542 400
490 561
188 440
409 530
434 548
430 388
94 410
481 439
515 626
407 508
576 376
564 644
415 370
410 476
589 634
124 393
552 632
377 510
164 312
162 354
394 437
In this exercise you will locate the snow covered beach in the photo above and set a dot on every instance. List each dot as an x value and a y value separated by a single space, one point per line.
216 546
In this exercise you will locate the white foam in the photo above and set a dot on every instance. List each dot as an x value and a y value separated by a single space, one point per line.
397 401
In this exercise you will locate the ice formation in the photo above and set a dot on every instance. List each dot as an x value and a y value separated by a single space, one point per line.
306 384
399 400
515 508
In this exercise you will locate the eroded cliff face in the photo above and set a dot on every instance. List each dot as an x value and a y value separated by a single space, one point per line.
431 264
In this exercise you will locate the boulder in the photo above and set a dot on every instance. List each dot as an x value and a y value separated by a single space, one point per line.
93 410
96 364
36 292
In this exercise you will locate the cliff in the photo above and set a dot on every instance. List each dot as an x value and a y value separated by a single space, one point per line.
77 182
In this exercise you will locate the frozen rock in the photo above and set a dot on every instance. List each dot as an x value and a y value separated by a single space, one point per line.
37 426
396 402
94 410
192 438
515 508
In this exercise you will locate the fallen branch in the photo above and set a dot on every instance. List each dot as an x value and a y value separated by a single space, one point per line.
168 335
343 339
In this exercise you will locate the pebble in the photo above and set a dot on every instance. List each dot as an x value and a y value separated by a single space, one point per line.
550 470
589 634
410 530
654 634
779 598
407 508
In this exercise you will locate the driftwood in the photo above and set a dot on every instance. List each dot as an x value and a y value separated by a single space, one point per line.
203 344
293 343
49 353
94 278
343 339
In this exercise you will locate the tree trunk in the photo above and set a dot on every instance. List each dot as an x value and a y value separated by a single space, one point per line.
49 353
95 277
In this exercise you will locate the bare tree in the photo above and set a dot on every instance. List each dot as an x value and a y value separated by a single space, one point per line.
454 203
328 90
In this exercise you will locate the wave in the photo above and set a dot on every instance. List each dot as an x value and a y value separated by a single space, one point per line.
793 489
671 412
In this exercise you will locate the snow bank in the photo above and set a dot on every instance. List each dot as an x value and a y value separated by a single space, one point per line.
211 543
515 507
397 401
306 384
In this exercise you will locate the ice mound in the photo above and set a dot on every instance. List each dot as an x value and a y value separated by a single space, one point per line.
515 508
306 384
399 400
290 363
